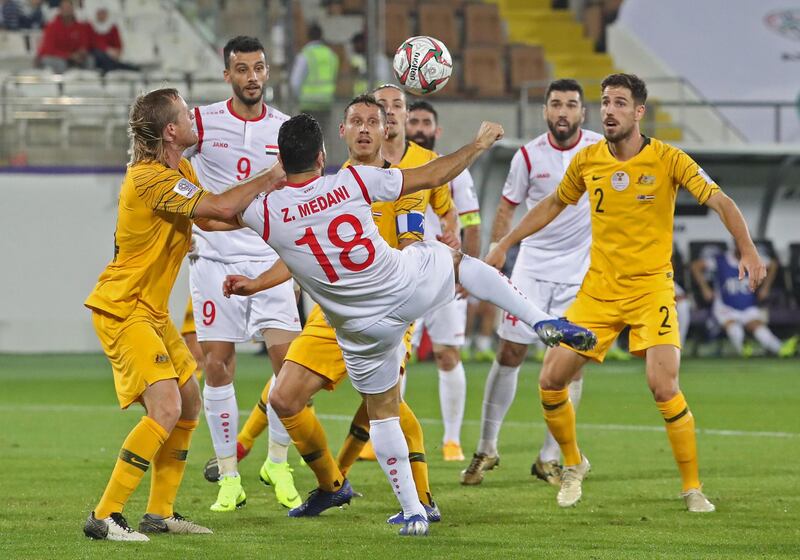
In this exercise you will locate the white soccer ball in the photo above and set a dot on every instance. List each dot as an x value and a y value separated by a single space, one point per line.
422 65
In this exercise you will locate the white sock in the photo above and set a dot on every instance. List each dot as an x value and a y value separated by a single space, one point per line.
488 284
501 386
736 336
222 417
392 453
452 397
768 340
550 450
279 439
684 309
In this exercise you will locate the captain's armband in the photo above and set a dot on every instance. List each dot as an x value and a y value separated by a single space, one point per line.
470 219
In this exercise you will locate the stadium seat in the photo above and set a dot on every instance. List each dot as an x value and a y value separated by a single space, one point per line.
439 21
483 72
482 25
526 63
398 25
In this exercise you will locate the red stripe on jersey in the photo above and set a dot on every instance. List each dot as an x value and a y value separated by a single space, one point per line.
275 146
199 122
265 234
560 149
511 202
361 184
527 158
263 114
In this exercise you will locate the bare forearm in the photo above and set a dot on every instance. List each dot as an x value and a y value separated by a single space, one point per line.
226 206
441 170
536 218
211 224
732 219
471 242
450 221
502 220
277 274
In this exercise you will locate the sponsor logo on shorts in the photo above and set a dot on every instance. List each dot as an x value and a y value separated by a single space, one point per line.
162 358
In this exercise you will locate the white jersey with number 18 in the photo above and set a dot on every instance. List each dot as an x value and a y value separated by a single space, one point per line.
230 149
324 231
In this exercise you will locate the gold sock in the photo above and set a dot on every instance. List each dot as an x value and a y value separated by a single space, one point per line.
309 438
169 465
257 422
412 430
560 417
355 440
680 431
138 450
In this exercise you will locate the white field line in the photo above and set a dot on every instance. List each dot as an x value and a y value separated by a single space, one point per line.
78 408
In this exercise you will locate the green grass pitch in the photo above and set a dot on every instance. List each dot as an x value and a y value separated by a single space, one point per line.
61 431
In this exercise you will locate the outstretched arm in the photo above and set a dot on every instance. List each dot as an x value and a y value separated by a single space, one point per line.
446 168
238 285
732 219
537 217
226 206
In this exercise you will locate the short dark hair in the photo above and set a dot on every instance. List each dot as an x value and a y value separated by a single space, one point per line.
565 84
366 99
631 82
422 105
299 143
314 32
242 43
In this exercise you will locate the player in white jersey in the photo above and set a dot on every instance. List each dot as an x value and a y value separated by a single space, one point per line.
323 230
549 269
446 325
237 138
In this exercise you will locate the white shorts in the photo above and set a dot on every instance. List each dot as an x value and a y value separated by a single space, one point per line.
373 355
551 297
445 326
724 314
238 319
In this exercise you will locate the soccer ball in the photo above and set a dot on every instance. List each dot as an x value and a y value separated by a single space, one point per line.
422 65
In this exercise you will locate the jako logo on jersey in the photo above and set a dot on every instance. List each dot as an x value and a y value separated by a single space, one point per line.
219 145
337 195
542 175
185 188
646 180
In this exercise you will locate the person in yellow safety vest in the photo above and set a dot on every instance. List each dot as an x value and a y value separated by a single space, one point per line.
313 77
358 63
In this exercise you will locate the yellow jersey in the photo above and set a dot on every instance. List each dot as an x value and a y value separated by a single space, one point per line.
385 213
154 228
632 205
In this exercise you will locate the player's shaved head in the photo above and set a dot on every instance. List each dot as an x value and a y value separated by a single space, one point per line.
299 143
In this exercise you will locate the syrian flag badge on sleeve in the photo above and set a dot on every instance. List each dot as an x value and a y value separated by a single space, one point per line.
271 150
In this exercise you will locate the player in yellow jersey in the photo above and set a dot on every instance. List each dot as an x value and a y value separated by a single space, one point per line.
158 199
314 360
632 182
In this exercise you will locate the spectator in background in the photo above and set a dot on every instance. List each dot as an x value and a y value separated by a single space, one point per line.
65 41
33 15
735 307
11 15
106 44
313 78
358 62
